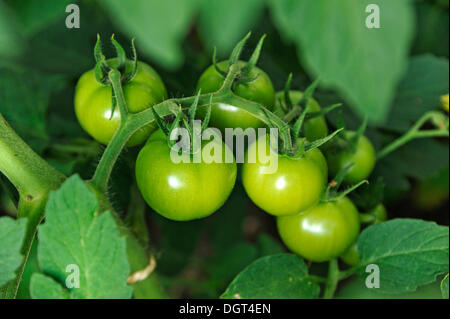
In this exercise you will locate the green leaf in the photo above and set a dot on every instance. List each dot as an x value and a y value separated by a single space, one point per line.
25 97
278 276
12 233
44 287
409 253
420 90
35 15
238 16
158 26
232 261
332 39
269 246
75 234
396 171
11 42
444 287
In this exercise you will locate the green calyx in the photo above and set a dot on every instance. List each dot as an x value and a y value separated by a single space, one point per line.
182 120
103 66
245 71
333 192
291 143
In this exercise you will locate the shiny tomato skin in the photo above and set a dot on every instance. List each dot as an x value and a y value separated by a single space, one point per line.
296 185
93 102
363 159
224 115
323 232
314 128
182 191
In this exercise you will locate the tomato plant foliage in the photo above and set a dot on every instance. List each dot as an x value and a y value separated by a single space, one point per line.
92 205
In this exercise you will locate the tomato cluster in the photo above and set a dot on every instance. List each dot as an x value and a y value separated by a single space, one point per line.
315 226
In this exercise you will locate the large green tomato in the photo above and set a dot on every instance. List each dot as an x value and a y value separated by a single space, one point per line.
224 115
323 232
183 191
313 129
93 102
363 159
296 185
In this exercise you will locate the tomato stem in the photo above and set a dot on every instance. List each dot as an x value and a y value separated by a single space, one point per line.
34 178
415 132
332 279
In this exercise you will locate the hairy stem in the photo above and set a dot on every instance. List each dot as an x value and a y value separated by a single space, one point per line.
415 133
34 178
332 280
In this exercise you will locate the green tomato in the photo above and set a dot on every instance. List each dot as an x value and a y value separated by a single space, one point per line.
224 115
363 159
313 129
350 256
183 191
323 232
379 212
296 185
93 102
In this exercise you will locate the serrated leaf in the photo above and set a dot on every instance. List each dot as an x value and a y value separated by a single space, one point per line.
420 90
332 39
75 234
12 233
239 16
158 26
409 253
282 276
44 287
444 287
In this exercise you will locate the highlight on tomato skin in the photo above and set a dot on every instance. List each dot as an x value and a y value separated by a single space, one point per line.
322 232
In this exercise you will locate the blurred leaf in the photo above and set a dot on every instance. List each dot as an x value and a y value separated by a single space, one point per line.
11 41
432 29
420 90
226 228
224 23
231 262
334 43
418 159
159 26
409 253
282 276
80 236
175 253
12 233
269 246
34 15
24 99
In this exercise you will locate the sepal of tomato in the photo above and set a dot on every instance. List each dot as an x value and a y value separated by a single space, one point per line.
93 102
314 128
223 115
323 232
183 191
297 184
